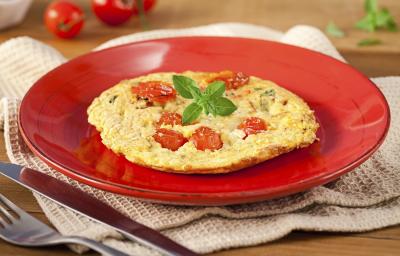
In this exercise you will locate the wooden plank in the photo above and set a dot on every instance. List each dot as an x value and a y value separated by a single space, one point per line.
13 191
19 195
281 15
3 152
311 244
297 243
390 233
12 250
374 64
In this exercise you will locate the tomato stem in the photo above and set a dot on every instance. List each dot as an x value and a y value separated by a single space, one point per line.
142 15
67 26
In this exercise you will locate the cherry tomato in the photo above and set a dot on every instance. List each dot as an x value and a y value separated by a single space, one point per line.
147 6
169 118
169 139
155 91
253 125
113 12
206 138
64 19
232 79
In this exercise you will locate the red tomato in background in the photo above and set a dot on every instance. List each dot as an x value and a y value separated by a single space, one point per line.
64 19
113 12
147 5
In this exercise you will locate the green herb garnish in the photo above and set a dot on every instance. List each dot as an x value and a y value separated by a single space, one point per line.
265 98
369 41
209 101
333 30
376 18
269 92
113 98
142 14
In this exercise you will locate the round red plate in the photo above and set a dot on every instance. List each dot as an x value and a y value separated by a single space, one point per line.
352 112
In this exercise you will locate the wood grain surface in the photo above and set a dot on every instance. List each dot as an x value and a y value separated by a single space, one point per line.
380 60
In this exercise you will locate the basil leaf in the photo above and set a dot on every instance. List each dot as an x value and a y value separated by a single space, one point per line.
333 30
392 26
367 23
382 18
210 108
191 113
369 41
376 18
215 89
223 106
206 110
196 93
211 101
371 5
385 20
185 86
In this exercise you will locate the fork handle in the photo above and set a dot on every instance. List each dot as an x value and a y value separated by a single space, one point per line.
94 245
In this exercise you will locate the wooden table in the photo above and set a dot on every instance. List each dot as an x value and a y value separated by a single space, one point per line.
377 60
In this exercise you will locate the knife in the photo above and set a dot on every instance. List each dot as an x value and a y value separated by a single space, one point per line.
89 206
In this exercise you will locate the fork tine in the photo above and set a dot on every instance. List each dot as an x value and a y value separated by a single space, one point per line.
3 223
29 231
6 202
10 205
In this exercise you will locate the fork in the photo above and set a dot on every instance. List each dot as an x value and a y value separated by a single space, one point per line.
22 229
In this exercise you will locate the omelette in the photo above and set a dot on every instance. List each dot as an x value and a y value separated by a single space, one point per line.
201 122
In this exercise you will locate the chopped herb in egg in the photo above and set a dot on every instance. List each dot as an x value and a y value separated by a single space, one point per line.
112 99
269 92
265 99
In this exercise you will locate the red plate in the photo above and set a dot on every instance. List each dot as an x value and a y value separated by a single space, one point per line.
353 114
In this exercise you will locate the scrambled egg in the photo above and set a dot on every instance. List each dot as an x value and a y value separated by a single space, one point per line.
127 126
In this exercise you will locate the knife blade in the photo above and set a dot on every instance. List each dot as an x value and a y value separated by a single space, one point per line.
89 206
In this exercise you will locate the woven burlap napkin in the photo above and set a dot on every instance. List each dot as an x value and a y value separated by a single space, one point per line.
364 199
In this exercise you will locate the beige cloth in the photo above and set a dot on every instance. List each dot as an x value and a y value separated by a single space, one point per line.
364 199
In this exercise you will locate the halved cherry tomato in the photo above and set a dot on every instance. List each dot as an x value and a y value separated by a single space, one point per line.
253 125
169 139
155 91
206 138
113 12
232 79
169 118
147 6
64 19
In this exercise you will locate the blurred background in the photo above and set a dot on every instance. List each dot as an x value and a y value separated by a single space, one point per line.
279 15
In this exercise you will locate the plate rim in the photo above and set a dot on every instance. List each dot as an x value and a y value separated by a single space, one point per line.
233 197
